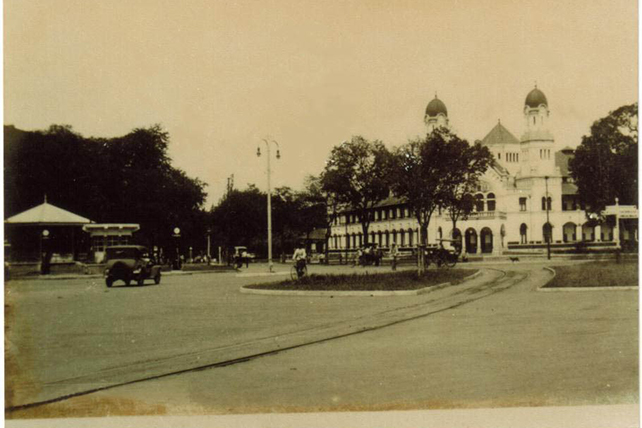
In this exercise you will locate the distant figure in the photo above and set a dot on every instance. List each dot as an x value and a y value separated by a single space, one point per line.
358 257
246 258
300 257
394 253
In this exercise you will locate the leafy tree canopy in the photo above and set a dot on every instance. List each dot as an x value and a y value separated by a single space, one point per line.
356 173
124 179
605 165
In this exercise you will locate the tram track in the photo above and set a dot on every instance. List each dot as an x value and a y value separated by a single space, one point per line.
459 295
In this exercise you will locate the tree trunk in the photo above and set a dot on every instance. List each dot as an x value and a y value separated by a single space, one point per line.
423 233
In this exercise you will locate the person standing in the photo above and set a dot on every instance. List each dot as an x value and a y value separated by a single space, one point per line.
246 258
394 253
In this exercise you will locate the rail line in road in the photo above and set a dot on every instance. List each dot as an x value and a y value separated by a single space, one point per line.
457 296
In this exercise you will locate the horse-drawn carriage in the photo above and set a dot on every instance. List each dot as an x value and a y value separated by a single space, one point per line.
370 254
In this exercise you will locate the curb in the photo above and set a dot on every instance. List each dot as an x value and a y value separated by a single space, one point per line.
616 288
322 293
562 289
92 276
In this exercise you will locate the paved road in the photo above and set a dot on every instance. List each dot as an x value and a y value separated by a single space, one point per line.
494 342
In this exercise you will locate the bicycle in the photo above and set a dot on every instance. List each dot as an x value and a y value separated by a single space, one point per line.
298 271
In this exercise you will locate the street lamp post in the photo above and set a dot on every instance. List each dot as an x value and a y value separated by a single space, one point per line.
177 235
548 223
269 195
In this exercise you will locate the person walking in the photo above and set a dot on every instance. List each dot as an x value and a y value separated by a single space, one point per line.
394 253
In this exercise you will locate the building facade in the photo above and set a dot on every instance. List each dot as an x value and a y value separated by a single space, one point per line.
524 201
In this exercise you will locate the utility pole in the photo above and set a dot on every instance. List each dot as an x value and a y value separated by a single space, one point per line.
548 224
269 196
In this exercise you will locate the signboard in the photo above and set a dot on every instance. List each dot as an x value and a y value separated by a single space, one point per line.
622 211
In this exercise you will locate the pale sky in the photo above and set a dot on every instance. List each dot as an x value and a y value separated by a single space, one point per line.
222 75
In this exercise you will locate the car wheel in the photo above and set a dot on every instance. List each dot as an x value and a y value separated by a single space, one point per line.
141 281
157 278
109 282
127 281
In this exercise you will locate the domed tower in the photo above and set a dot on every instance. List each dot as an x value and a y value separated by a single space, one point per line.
436 114
537 143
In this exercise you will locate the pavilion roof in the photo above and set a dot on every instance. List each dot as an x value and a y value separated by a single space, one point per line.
47 214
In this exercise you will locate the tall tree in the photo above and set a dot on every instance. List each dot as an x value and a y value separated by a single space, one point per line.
605 165
428 171
321 206
356 173
126 179
239 219
466 169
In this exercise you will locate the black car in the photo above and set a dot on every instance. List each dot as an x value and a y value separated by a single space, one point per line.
130 263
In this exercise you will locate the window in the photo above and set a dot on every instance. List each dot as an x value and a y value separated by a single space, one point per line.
544 200
491 202
523 230
547 232
479 202
522 204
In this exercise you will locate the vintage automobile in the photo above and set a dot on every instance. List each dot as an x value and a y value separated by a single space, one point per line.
130 263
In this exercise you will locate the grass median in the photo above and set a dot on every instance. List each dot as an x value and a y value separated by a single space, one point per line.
596 274
389 281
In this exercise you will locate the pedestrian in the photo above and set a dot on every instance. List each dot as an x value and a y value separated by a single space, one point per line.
246 258
394 252
357 257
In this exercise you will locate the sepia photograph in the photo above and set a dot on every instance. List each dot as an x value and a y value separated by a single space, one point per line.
343 213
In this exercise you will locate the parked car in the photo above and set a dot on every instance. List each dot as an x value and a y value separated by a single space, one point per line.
130 263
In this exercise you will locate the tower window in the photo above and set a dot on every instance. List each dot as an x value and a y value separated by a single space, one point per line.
522 204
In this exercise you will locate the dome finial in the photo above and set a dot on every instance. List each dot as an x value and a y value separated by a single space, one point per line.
536 84
45 198
435 94
499 121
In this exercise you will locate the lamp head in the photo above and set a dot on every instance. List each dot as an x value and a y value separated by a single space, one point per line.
278 154
258 152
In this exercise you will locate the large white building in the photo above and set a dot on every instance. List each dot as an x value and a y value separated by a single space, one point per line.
528 176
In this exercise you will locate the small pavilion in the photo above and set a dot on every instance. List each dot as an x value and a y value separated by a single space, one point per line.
45 229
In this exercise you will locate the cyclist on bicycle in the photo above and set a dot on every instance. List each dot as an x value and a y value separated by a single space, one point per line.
299 258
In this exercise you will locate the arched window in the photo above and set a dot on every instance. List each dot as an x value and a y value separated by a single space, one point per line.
402 238
547 232
387 235
410 238
523 231
440 233
348 241
394 236
479 202
491 202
